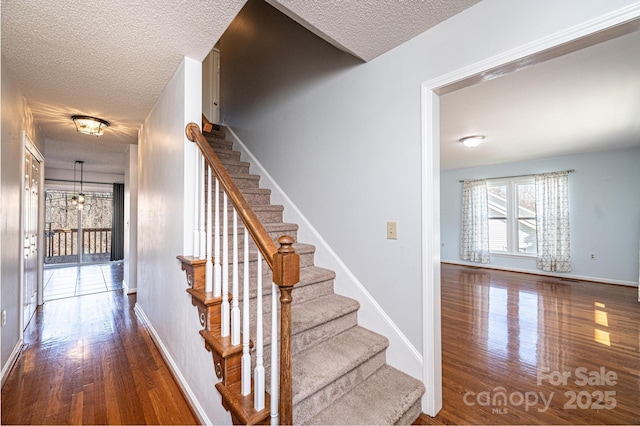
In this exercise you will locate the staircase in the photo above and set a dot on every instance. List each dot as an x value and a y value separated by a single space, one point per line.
339 371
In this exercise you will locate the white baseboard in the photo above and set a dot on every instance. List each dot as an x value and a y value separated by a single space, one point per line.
128 290
401 354
543 273
177 374
6 368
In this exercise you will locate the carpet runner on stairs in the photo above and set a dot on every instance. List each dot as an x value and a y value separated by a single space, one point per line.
340 375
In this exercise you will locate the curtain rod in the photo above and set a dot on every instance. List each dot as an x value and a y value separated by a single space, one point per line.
516 176
84 181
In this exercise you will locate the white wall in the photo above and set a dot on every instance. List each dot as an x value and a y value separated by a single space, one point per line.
63 179
16 117
604 201
164 192
130 280
343 138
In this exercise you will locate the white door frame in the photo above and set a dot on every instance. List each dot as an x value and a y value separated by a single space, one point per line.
29 146
430 98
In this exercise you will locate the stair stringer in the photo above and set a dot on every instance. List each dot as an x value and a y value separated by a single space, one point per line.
401 354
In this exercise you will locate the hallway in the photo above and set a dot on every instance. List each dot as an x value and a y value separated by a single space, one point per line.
88 360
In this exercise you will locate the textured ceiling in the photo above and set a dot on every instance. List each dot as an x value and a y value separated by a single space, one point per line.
369 28
585 101
112 59
103 58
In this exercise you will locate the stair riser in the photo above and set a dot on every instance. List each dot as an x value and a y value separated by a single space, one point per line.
269 214
411 414
228 155
293 233
313 404
215 134
262 198
237 168
242 181
252 247
266 215
220 144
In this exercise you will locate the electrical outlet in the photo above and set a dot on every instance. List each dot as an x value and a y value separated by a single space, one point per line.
593 256
392 230
4 317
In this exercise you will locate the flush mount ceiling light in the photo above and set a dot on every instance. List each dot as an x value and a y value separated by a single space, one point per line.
90 125
472 141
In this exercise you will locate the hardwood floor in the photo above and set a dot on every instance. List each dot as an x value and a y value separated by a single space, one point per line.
73 280
87 360
526 349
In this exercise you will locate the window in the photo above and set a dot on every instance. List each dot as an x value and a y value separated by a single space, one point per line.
512 216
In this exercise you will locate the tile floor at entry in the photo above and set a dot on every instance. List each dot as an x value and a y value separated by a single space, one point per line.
79 280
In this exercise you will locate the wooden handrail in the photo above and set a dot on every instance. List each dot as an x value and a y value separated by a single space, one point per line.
264 242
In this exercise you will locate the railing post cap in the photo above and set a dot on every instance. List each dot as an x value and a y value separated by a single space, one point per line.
189 130
285 244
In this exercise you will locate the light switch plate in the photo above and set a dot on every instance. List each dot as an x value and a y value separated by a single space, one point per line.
392 230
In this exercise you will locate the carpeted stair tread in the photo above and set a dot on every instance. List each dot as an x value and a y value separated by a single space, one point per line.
320 310
313 314
320 365
383 398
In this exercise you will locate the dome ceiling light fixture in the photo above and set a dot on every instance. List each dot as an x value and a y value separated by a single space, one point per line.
472 141
90 125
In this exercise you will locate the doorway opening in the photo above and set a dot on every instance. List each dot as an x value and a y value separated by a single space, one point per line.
74 235
78 245
594 31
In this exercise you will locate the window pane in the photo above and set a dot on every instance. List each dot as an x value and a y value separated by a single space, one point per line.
498 235
497 201
527 236
526 201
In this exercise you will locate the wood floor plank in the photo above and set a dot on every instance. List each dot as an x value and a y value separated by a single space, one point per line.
513 334
87 360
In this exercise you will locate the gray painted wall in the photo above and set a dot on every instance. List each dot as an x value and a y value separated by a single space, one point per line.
604 202
343 138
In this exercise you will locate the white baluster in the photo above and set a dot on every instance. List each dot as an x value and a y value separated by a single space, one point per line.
275 359
208 270
224 307
217 269
235 310
258 374
197 205
202 232
246 356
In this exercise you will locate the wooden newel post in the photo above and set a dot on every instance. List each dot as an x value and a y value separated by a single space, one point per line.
286 273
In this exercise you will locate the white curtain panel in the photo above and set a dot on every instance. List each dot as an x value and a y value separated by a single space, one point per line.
474 241
552 221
